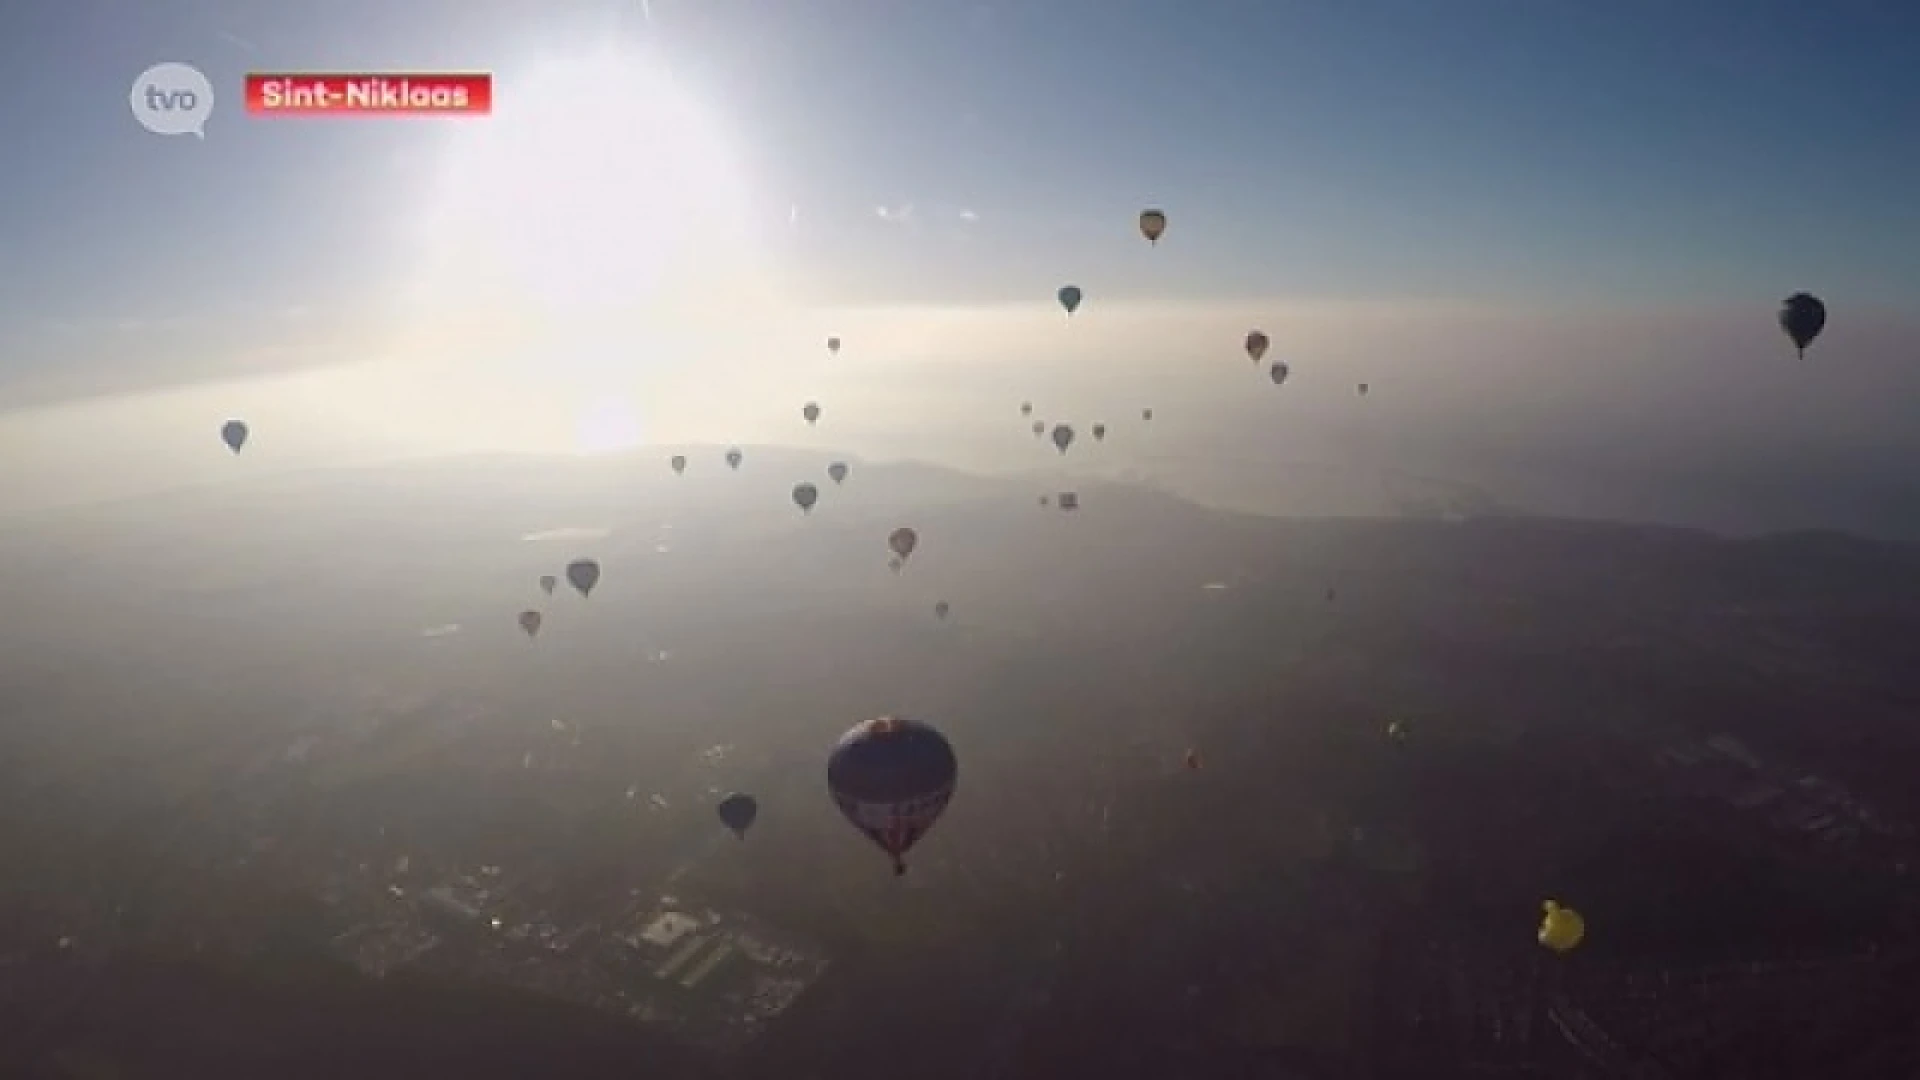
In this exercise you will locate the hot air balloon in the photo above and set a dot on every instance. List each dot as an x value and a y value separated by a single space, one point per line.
1397 731
895 563
1039 427
679 463
1279 372
1257 343
1802 318
1069 500
837 472
1363 389
1062 437
892 779
737 812
1193 759
1099 432
903 540
530 622
234 434
812 412
804 496
833 345
1046 500
1561 928
583 574
1152 224
940 609
1026 408
733 459
1070 298
547 583
1146 414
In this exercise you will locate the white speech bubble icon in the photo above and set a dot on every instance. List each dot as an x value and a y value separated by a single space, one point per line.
172 99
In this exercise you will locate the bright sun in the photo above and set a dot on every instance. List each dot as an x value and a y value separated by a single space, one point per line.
596 205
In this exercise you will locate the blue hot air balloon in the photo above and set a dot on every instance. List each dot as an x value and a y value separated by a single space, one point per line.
1070 298
737 812
892 779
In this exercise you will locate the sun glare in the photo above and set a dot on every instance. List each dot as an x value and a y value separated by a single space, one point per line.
595 218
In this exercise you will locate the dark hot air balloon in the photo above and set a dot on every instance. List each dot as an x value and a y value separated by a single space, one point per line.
811 411
833 345
583 574
733 459
530 622
737 812
1062 437
679 463
902 541
548 583
1279 372
1099 432
837 472
941 609
1802 318
234 434
804 496
1026 408
1069 296
1257 344
892 779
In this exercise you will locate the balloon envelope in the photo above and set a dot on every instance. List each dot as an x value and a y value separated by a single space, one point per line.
737 812
837 472
1070 298
530 622
1152 224
1099 432
940 609
733 459
811 411
1561 928
679 463
1026 408
1802 318
1062 437
903 540
547 583
234 434
892 779
833 345
1279 372
583 574
1257 344
804 496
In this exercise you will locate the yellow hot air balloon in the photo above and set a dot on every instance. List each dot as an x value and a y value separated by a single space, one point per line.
1561 928
1152 224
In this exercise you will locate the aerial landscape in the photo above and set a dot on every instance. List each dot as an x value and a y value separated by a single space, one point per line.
1407 732
914 541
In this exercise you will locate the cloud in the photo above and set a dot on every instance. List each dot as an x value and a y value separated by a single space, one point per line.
895 215
968 216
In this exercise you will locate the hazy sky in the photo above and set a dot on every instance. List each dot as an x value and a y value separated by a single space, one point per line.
1553 234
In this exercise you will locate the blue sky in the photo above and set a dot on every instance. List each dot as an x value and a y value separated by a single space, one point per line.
1490 149
1700 156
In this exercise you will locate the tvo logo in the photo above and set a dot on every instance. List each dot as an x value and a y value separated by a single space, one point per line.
172 99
